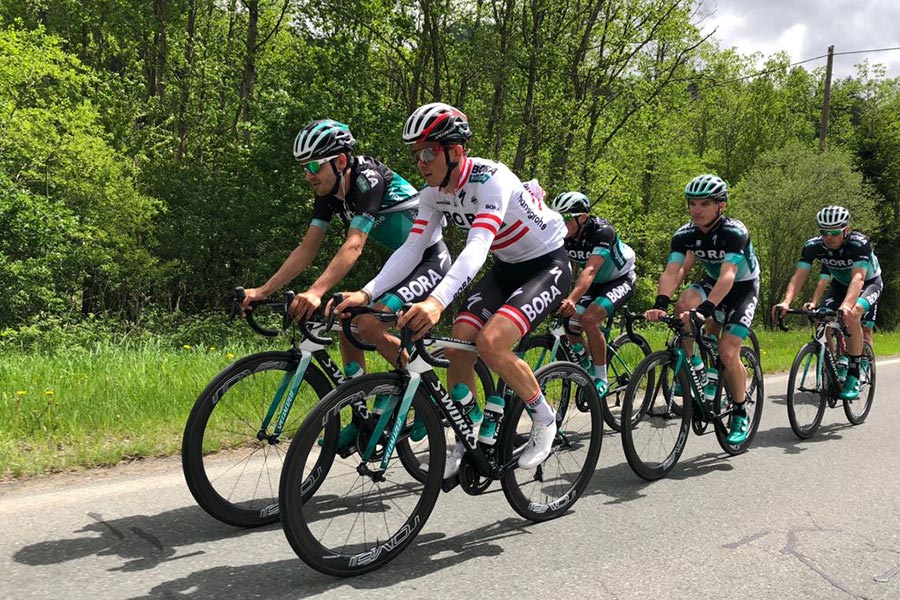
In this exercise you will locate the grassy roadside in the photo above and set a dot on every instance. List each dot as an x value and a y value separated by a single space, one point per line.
87 408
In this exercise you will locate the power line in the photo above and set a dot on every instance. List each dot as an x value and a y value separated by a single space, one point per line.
799 62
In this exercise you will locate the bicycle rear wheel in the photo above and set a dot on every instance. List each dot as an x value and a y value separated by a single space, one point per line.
555 485
231 465
857 410
806 392
754 395
660 420
358 518
624 354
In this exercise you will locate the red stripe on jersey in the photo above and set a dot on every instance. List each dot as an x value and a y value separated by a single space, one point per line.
464 171
487 226
490 217
510 241
514 315
417 230
510 229
469 319
422 222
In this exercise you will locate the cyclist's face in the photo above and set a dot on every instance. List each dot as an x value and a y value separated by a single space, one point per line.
323 181
431 160
833 242
704 211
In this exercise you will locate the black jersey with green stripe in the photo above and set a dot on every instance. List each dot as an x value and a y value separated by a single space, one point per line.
598 237
727 241
855 253
379 203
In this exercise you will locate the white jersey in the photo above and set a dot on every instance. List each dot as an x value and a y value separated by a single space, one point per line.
500 215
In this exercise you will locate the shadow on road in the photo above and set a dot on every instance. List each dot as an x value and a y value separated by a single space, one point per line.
784 438
430 553
143 541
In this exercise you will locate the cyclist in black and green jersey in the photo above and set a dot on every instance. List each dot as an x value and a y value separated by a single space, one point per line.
850 267
371 201
729 291
607 278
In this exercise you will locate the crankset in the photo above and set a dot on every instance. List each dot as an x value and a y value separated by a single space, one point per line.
470 480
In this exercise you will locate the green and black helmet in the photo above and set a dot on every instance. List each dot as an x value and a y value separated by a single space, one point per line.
707 186
323 138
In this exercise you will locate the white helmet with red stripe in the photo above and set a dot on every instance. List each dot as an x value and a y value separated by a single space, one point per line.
437 122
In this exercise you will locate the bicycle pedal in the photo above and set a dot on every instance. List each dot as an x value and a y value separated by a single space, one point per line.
448 484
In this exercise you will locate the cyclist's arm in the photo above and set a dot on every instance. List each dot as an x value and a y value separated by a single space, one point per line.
297 261
723 283
821 286
593 264
410 253
671 277
795 284
857 278
342 262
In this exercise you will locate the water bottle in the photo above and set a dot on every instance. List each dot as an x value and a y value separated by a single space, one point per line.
700 370
712 381
463 396
581 357
493 416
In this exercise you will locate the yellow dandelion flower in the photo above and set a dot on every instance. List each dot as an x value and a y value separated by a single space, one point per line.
20 393
229 355
212 348
49 392
187 346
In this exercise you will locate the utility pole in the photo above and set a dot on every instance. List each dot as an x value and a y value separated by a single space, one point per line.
826 101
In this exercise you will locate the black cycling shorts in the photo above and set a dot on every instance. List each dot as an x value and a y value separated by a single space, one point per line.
868 298
525 293
423 278
736 310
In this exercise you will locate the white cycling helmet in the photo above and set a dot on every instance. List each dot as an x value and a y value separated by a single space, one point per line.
833 216
322 138
437 122
571 203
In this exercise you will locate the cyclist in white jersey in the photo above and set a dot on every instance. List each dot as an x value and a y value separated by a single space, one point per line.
529 279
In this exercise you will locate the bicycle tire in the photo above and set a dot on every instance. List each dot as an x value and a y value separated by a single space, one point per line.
230 472
753 404
623 356
348 502
855 410
553 487
652 446
805 402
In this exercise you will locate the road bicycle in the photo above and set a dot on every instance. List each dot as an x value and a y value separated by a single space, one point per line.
623 354
235 438
662 416
815 381
354 514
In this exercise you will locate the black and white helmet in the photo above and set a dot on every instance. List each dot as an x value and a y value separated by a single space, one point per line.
437 122
707 186
571 203
321 139
833 216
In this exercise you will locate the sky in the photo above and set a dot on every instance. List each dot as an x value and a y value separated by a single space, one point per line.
805 28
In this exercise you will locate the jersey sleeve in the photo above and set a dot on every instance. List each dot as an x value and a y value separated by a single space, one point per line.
493 199
735 240
409 254
861 253
808 255
322 213
679 247
603 240
369 188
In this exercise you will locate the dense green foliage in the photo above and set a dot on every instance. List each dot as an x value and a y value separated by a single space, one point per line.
145 146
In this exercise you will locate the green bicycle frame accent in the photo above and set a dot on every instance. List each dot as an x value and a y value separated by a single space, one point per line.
295 380
408 393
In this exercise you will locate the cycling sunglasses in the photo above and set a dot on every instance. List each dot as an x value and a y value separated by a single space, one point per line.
831 231
426 154
314 166
570 216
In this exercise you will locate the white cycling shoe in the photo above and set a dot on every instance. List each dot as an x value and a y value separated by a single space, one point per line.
453 462
539 444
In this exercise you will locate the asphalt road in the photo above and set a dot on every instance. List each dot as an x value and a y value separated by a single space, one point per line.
789 519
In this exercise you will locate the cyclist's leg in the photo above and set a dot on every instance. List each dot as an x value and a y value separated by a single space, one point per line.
853 321
609 297
739 306
350 353
692 296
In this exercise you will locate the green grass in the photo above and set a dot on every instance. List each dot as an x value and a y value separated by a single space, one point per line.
85 408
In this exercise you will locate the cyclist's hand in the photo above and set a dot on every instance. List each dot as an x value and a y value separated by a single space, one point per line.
351 299
251 295
567 308
846 308
810 306
305 304
779 309
654 314
421 317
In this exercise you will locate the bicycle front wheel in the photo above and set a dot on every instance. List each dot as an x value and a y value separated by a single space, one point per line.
806 392
624 354
359 517
857 410
660 419
231 462
754 395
